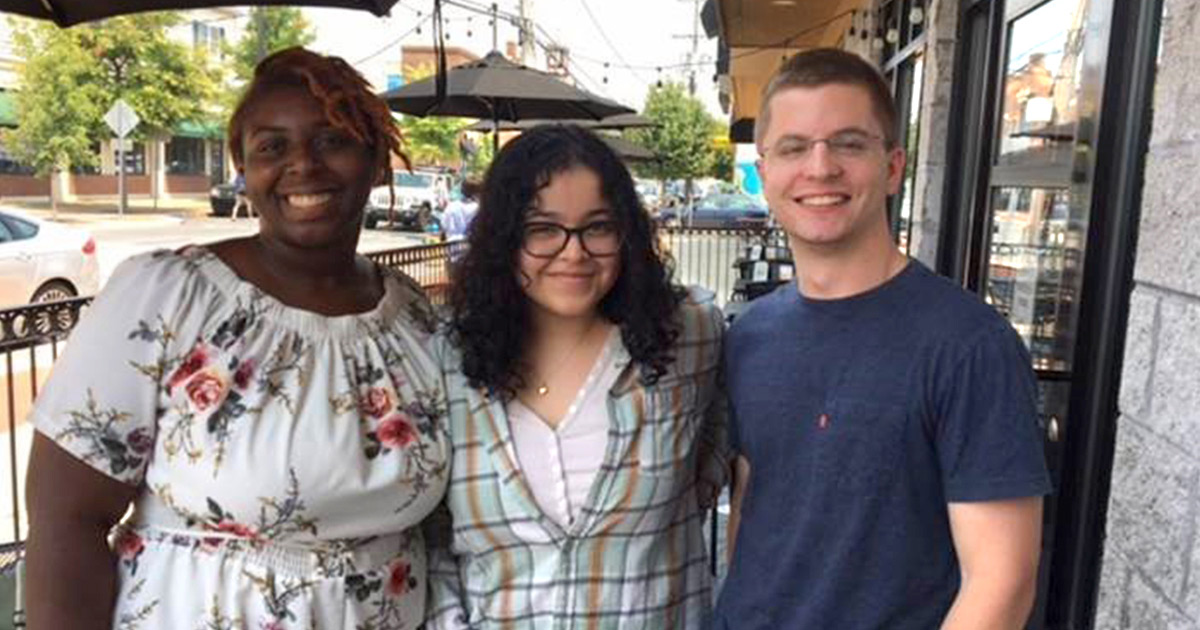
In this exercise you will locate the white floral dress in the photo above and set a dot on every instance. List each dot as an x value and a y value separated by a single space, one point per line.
285 458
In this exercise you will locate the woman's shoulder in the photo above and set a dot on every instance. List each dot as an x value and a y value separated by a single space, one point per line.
410 299
699 314
159 273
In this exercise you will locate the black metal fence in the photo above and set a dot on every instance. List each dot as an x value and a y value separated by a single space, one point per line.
31 338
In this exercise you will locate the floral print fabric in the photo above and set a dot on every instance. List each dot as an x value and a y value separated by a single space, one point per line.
285 457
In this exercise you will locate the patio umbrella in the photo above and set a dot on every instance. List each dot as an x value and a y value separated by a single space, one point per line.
497 89
70 12
620 121
627 150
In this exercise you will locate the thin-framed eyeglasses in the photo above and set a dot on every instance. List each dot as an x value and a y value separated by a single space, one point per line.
845 145
546 239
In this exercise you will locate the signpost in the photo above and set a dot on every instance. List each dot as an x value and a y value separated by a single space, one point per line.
121 119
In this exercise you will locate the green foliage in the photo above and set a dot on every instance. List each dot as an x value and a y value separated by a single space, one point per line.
476 164
432 140
681 138
165 82
269 29
57 104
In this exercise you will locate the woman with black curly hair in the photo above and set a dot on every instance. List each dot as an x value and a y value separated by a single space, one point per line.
584 412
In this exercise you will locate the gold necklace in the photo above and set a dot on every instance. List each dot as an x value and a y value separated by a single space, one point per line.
544 387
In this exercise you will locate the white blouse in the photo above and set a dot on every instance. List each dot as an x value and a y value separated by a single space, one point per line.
560 464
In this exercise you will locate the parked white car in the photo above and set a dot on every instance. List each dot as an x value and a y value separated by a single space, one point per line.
43 261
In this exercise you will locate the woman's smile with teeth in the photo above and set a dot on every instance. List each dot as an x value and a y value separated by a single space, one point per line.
305 201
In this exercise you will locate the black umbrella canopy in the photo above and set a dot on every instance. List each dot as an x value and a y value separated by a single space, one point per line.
620 121
70 12
498 89
626 149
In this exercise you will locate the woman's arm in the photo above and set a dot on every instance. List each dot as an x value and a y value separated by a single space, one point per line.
70 572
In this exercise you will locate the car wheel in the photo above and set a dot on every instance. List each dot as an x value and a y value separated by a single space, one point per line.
53 291
371 222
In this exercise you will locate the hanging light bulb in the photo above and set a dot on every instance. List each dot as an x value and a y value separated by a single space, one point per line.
892 36
853 23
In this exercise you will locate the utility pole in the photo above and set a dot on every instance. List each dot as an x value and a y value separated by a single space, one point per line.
495 27
260 24
693 55
526 30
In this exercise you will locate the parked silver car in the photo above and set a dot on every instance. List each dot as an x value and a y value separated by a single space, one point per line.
42 261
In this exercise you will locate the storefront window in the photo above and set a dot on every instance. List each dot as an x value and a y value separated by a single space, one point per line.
185 156
1042 84
1034 269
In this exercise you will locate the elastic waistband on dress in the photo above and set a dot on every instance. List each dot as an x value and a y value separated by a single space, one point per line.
328 558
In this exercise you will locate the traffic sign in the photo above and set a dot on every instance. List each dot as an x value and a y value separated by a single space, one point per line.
121 118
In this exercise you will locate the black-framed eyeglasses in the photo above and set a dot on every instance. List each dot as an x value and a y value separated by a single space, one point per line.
545 239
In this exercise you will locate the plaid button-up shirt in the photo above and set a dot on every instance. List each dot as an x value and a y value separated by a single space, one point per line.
635 557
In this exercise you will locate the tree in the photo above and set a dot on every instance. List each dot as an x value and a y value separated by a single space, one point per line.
432 140
270 29
681 136
57 105
166 82
723 153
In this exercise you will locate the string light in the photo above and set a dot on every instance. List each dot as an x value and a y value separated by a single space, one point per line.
917 14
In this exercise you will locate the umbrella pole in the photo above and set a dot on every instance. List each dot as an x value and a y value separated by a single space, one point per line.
495 136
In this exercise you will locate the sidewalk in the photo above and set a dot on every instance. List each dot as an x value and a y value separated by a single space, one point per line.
101 210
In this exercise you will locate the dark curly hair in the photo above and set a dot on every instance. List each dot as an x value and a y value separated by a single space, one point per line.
349 103
490 319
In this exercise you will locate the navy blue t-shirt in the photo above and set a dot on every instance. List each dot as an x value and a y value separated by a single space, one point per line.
861 419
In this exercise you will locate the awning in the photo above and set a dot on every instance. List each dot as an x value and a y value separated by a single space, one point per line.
759 34
208 130
8 109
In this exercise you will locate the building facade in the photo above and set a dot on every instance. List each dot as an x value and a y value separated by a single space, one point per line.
1054 145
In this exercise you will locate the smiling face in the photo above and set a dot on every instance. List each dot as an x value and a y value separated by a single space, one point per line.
307 179
572 283
823 199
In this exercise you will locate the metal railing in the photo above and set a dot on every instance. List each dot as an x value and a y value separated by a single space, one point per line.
31 336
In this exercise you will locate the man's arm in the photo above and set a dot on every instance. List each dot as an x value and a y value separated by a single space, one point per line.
741 479
998 545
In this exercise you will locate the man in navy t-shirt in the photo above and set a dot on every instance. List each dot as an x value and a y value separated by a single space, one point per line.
890 471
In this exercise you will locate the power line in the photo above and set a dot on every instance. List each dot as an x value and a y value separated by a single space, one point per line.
392 43
604 36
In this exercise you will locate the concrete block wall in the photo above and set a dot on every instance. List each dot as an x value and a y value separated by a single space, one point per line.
1151 569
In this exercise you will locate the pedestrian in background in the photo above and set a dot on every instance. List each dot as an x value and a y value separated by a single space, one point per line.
586 423
460 212
890 470
239 196
269 405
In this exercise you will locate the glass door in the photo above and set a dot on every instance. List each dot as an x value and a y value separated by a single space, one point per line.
1033 208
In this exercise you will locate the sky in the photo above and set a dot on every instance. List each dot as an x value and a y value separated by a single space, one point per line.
635 38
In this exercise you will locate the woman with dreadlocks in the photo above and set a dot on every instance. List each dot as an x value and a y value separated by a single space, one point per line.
268 405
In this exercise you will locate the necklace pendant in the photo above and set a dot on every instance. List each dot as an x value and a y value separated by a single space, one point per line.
543 389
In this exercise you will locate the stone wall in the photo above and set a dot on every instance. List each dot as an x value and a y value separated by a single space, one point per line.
936 100
1151 573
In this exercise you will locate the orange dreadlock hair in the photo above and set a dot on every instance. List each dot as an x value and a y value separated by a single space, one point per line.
349 103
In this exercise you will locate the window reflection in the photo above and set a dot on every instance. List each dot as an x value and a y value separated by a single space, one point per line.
1042 83
1034 269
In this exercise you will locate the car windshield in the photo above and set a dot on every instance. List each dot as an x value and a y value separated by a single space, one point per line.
729 202
413 180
